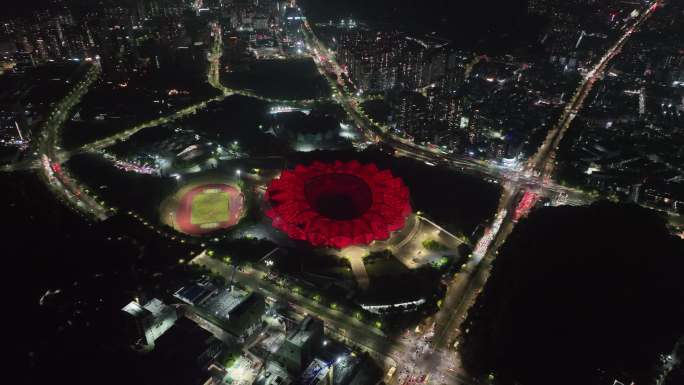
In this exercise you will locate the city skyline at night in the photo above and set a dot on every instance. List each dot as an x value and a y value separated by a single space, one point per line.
344 192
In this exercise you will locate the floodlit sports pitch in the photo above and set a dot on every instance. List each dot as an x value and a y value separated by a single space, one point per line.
201 208
209 206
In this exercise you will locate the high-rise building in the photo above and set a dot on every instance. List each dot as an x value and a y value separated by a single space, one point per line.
370 59
410 113
298 349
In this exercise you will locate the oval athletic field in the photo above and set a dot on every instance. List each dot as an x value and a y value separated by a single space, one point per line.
199 209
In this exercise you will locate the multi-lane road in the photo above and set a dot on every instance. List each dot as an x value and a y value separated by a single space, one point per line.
392 352
56 176
536 176
433 156
437 362
543 163
346 324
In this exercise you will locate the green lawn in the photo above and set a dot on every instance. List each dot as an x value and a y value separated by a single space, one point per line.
210 208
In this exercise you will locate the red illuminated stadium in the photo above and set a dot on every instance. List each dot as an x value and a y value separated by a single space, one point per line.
339 204
207 208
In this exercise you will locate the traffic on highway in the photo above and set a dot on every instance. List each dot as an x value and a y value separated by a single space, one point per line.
420 356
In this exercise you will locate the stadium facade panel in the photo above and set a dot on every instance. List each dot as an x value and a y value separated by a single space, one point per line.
338 204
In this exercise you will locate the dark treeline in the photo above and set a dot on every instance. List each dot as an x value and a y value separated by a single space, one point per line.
579 295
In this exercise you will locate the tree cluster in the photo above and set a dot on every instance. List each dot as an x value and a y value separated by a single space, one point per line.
579 295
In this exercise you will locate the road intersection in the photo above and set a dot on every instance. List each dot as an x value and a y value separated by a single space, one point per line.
427 356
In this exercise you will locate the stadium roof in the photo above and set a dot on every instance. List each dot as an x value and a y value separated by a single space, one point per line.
338 204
